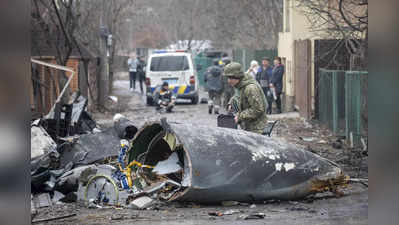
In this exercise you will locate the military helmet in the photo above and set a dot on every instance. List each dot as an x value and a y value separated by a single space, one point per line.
233 69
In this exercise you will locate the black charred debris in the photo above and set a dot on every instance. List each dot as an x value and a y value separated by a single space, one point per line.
64 143
166 162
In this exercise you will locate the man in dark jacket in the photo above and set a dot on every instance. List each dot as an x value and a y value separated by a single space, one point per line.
263 77
141 72
164 98
276 82
214 85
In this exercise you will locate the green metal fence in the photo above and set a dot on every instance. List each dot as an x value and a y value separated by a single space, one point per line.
332 99
245 56
204 62
343 102
356 104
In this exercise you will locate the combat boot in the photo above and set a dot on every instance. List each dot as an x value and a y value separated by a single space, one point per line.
210 108
217 109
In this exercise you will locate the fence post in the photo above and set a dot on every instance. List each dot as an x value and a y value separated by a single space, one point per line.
358 106
334 101
244 59
347 94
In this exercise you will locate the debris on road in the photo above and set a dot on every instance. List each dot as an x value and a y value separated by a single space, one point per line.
218 164
57 197
53 218
252 216
307 139
231 212
141 203
215 213
172 161
230 203
204 101
41 142
42 200
65 144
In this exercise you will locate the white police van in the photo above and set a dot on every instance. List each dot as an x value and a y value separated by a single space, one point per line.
176 68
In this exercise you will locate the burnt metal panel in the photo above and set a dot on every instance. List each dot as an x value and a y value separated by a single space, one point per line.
222 164
237 165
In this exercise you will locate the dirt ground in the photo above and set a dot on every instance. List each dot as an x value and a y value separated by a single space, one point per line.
325 208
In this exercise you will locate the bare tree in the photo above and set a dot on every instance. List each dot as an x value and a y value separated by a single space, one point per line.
54 22
263 22
346 20
228 24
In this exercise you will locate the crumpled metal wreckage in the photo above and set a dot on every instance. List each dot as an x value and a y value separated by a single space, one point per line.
210 165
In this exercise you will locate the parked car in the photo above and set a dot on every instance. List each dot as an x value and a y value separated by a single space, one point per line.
176 68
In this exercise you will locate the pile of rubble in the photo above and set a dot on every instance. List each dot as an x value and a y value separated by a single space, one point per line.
73 160
67 145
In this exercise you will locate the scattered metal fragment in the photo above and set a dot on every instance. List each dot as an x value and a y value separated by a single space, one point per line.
57 197
125 128
33 210
215 213
141 203
91 148
229 203
231 212
252 216
231 165
42 200
54 218
41 142
204 100
307 139
171 165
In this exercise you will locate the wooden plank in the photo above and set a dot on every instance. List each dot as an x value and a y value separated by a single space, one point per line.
53 218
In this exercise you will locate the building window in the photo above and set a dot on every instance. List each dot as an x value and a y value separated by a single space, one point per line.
287 15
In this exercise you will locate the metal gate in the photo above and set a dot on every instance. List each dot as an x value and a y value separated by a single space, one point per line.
204 62
302 77
245 56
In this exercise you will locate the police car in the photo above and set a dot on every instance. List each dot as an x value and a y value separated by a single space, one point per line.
176 68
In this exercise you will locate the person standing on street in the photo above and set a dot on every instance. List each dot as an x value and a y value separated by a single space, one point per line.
141 72
251 115
132 64
263 77
276 82
214 85
253 69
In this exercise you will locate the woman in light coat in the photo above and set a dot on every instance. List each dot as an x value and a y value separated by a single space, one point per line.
253 69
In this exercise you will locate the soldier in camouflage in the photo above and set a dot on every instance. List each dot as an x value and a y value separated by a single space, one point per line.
251 101
228 90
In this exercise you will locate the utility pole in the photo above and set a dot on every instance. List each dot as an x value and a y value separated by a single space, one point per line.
104 64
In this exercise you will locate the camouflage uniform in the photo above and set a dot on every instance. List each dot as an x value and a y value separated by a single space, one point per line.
251 100
228 90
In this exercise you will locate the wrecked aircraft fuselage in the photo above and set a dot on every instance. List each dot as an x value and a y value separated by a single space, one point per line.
221 164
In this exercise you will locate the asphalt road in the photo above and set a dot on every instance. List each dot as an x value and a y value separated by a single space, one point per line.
321 209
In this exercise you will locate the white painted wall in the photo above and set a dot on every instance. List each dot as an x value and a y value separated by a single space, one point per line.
299 28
